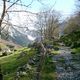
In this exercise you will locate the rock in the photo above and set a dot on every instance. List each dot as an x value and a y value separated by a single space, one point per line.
21 69
49 46
11 47
4 54
28 67
31 62
22 73
22 54
6 50
17 74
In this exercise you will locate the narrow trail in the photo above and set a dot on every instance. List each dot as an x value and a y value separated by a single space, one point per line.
66 67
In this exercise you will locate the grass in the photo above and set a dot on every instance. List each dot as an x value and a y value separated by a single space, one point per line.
76 50
48 70
2 45
62 60
76 54
55 52
10 63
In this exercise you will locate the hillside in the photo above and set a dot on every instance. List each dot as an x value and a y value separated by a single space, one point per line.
13 56
7 47
4 42
10 64
19 37
24 63
72 39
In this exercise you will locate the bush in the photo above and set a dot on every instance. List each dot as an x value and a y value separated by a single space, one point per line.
56 48
0 49
72 39
73 53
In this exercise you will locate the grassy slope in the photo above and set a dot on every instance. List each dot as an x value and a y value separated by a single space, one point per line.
72 39
76 50
48 70
4 42
9 64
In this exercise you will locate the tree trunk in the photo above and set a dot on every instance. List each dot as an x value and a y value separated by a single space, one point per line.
41 62
3 15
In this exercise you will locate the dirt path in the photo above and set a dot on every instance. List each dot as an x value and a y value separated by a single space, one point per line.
66 67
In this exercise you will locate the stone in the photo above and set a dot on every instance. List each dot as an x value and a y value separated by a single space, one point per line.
4 54
49 46
28 67
22 54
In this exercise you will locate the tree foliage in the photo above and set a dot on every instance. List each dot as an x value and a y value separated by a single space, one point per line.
72 25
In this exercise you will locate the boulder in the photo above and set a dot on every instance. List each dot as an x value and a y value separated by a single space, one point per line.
22 54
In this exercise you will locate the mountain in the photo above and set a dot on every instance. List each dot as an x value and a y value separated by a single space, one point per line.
6 43
19 38
23 28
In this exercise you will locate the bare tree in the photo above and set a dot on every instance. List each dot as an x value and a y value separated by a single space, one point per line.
52 25
47 23
72 24
4 13
6 10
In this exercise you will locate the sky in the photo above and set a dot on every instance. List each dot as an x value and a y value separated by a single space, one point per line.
66 7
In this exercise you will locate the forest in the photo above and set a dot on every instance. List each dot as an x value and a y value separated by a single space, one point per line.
39 43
